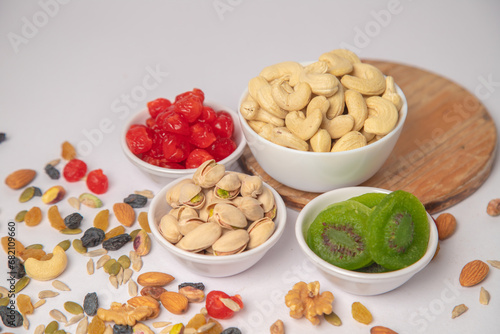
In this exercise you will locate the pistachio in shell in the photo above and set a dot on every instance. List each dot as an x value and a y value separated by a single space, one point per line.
172 195
251 207
251 186
191 195
232 242
228 216
187 225
228 187
259 231
169 229
183 212
268 202
208 174
201 237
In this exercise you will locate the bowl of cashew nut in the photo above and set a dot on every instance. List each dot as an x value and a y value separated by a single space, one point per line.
322 125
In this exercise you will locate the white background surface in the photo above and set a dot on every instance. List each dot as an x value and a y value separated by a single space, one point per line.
65 74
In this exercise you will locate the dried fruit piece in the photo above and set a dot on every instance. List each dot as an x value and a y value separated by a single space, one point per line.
27 194
360 313
97 181
52 172
20 178
101 220
117 242
142 243
381 330
33 217
16 269
446 225
92 237
91 304
114 232
124 213
90 200
473 273
73 221
24 304
53 195
96 326
136 201
10 243
68 151
493 208
458 310
55 219
32 253
73 308
484 296
143 221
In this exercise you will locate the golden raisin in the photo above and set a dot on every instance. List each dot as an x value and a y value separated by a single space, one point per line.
9 243
33 217
96 326
24 304
360 313
68 151
114 232
55 219
143 221
101 220
196 321
32 253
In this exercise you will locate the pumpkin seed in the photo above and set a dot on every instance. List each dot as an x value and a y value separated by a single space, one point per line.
90 267
78 246
21 284
71 231
47 294
4 301
73 308
102 260
333 319
20 216
124 260
60 285
51 327
65 244
58 316
27 194
74 202
132 288
108 265
39 303
114 269
35 246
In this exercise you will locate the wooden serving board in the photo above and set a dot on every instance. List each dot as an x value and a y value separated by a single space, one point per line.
445 151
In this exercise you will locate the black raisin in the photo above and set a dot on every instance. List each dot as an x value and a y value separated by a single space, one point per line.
199 286
136 200
73 220
122 329
11 317
231 330
3 136
115 243
16 268
52 172
92 237
37 192
90 304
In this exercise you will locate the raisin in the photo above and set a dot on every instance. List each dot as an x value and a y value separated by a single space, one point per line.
3 136
122 329
38 191
10 317
92 237
231 330
73 220
136 201
91 304
117 242
16 268
52 172
199 286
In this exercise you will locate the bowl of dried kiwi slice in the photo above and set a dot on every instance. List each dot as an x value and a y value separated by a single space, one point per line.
366 240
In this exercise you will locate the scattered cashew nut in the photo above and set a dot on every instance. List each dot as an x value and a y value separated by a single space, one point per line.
48 269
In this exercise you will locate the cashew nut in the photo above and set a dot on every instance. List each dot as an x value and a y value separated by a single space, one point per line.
337 65
365 78
337 103
349 141
295 100
382 115
347 54
283 69
256 125
356 107
368 136
304 126
321 141
391 94
318 102
250 110
321 83
48 269
260 90
338 126
283 137
317 67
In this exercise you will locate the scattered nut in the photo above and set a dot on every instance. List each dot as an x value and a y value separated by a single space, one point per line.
277 327
484 296
458 310
493 208
473 273
305 300
446 225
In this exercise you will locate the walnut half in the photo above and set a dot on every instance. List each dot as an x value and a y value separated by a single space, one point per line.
305 300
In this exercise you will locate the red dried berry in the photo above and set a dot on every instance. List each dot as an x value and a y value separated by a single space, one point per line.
176 148
223 125
221 148
97 182
138 139
157 106
74 170
197 157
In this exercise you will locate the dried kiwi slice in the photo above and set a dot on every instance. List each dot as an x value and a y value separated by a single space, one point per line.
337 235
398 231
369 199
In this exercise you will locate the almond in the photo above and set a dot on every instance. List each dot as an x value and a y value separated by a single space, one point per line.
174 302
20 178
381 330
124 213
473 273
154 278
446 225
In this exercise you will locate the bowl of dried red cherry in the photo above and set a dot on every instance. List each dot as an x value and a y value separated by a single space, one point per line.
170 138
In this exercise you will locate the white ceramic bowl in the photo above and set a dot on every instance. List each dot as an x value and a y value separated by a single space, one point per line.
352 281
322 171
207 265
165 175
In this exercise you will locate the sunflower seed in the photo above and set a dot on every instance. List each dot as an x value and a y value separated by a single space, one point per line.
90 267
39 303
47 294
458 310
96 252
127 273
494 263
40 329
74 319
74 202
114 281
146 193
484 296
119 276
60 285
82 326
108 330
132 288
102 260
58 316
160 324
26 323
54 162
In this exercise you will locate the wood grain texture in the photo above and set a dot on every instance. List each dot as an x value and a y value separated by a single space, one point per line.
445 151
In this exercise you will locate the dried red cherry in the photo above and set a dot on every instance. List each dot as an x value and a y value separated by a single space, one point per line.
97 181
208 115
74 170
176 148
157 106
221 148
172 121
138 139
223 125
197 157
198 93
201 135
189 107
